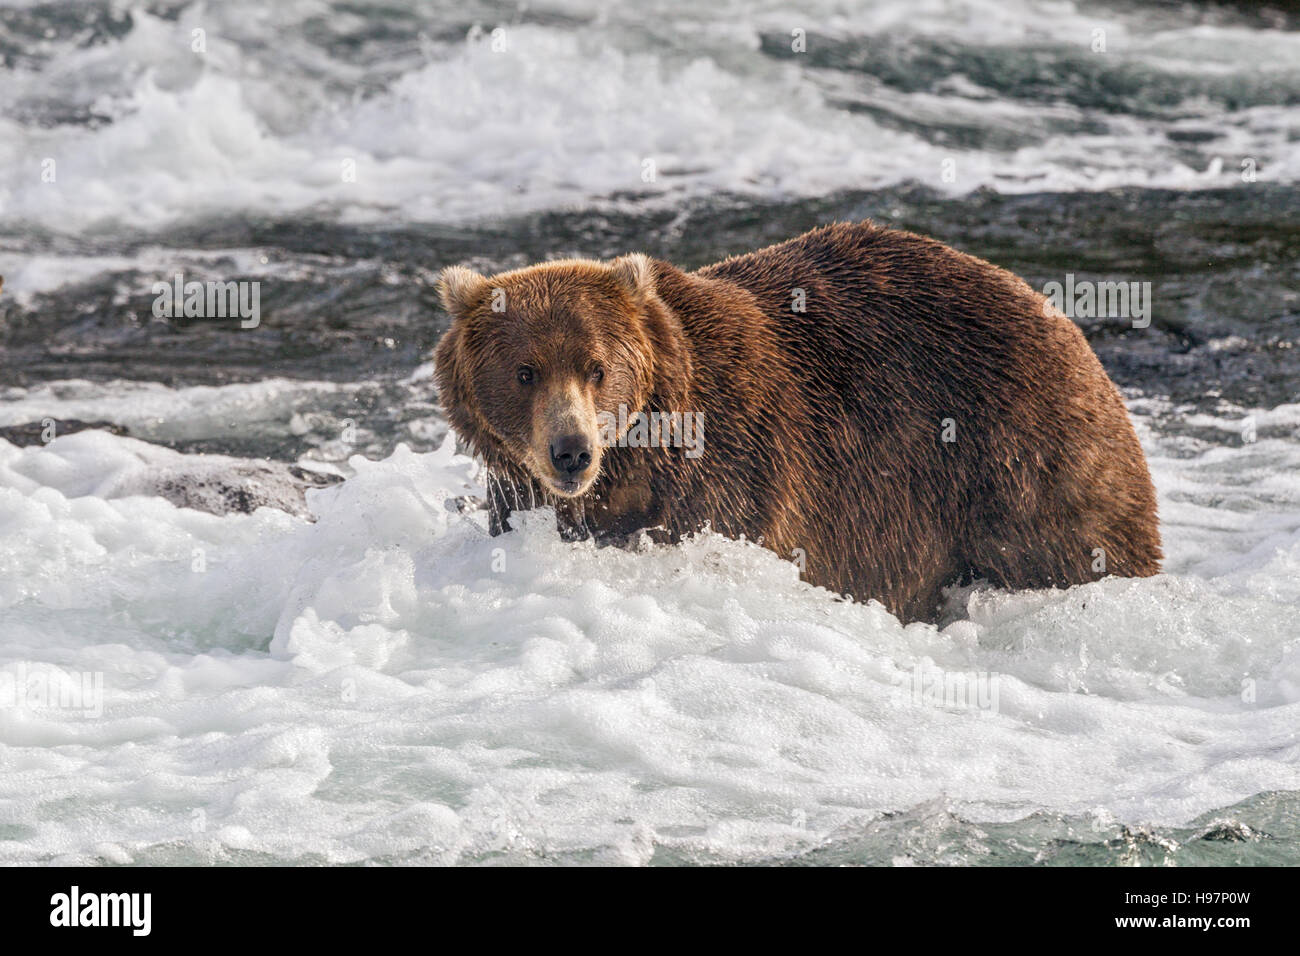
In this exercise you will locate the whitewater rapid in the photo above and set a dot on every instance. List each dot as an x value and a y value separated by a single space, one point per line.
154 120
383 681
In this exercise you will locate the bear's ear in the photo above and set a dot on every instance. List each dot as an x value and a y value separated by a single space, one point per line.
636 274
460 289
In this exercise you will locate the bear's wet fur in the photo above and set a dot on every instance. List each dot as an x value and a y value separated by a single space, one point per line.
896 414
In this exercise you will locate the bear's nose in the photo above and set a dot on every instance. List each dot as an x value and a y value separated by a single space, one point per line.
571 454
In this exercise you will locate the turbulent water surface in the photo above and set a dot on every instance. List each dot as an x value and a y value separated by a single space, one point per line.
358 673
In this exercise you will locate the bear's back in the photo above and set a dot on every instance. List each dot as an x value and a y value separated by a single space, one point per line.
879 320
861 282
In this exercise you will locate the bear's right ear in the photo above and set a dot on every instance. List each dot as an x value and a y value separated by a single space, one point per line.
460 289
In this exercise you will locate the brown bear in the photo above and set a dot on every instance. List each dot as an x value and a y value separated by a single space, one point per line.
895 415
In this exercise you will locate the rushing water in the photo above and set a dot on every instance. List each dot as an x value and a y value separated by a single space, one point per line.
361 674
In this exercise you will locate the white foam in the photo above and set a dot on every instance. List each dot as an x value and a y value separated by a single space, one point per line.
570 112
390 683
150 410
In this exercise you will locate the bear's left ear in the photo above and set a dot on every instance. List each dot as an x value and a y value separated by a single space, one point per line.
636 273
460 289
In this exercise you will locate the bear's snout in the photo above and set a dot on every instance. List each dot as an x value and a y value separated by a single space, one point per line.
564 454
571 455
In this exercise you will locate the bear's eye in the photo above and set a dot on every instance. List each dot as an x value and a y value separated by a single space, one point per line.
525 375
597 374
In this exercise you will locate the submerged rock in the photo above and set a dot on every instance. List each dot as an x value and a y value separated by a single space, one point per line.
96 459
221 485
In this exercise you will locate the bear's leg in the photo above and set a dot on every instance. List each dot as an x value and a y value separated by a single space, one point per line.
1051 551
912 589
924 603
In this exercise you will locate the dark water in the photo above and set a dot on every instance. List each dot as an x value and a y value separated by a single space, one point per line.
360 306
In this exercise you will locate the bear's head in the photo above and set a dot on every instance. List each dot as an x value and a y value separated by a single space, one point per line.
538 361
